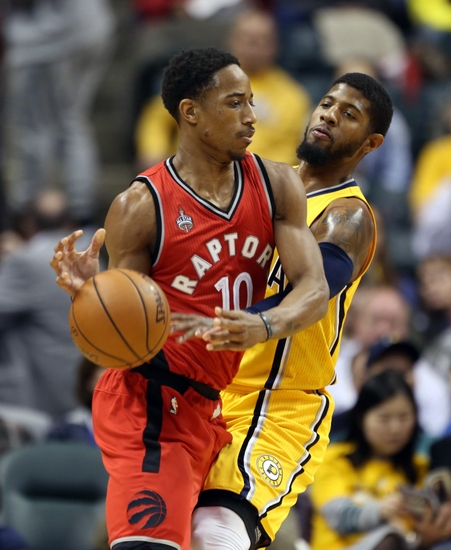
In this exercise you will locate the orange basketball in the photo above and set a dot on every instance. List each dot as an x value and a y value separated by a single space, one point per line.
119 319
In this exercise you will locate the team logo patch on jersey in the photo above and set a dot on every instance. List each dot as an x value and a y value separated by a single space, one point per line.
270 469
148 509
184 222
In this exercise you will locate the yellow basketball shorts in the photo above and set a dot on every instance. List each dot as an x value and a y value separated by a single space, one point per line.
279 441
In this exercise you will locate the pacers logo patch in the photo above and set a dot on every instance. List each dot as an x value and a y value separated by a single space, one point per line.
148 509
270 469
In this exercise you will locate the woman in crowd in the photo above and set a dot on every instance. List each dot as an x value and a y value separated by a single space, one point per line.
356 496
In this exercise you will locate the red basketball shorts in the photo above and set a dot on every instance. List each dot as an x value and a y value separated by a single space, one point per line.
157 446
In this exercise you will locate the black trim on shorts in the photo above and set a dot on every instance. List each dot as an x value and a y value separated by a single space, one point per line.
247 512
158 370
141 545
152 431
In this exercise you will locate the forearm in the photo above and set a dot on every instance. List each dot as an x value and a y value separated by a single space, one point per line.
305 305
338 269
345 517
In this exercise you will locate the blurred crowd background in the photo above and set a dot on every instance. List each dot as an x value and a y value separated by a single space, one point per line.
81 116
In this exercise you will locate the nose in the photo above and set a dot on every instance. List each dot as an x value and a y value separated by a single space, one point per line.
249 115
330 115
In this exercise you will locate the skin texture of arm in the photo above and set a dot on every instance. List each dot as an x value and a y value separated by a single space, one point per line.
307 303
347 223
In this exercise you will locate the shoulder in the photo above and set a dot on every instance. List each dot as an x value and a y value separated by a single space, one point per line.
287 186
339 449
336 464
157 170
135 197
421 465
132 214
351 212
278 169
349 204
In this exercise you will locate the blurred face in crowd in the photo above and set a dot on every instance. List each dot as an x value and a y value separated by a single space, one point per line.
434 276
397 362
389 426
383 313
253 40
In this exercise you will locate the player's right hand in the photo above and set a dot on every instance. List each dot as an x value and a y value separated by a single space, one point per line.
74 268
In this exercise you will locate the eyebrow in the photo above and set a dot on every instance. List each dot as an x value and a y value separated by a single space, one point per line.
239 94
351 105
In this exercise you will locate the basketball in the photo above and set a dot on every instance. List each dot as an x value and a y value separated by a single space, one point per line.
119 319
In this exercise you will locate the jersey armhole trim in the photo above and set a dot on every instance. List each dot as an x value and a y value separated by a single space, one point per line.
268 188
156 253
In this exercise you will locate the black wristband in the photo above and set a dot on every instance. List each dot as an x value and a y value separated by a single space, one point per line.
267 325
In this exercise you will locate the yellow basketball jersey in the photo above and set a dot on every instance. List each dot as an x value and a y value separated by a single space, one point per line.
306 360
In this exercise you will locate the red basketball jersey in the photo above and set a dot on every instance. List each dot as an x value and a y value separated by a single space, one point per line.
206 257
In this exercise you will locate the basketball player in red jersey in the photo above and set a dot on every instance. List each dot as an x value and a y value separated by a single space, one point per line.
203 224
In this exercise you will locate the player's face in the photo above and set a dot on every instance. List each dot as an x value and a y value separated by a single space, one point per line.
389 426
226 118
338 127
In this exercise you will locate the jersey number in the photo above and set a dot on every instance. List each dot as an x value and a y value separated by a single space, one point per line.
229 290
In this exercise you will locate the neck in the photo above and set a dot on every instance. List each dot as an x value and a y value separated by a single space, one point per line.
322 177
211 178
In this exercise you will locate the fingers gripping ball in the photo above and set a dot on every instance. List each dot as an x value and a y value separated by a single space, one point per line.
119 319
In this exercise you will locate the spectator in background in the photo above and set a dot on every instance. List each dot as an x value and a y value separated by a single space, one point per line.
434 279
349 29
11 540
281 104
434 287
431 394
55 57
376 313
3 209
40 371
430 194
431 37
355 494
77 424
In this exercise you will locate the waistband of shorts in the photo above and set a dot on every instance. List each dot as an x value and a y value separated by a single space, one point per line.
176 381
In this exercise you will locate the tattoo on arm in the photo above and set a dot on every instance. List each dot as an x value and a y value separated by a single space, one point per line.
349 228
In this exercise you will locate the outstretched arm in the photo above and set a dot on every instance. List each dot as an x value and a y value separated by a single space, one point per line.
129 235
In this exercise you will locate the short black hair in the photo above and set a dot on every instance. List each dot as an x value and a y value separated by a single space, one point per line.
377 390
381 105
385 348
190 74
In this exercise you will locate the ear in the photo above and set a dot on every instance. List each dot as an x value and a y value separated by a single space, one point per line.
373 142
188 111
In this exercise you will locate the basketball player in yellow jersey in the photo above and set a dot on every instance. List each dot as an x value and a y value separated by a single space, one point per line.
277 407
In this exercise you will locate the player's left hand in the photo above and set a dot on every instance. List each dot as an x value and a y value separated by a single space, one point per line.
229 330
